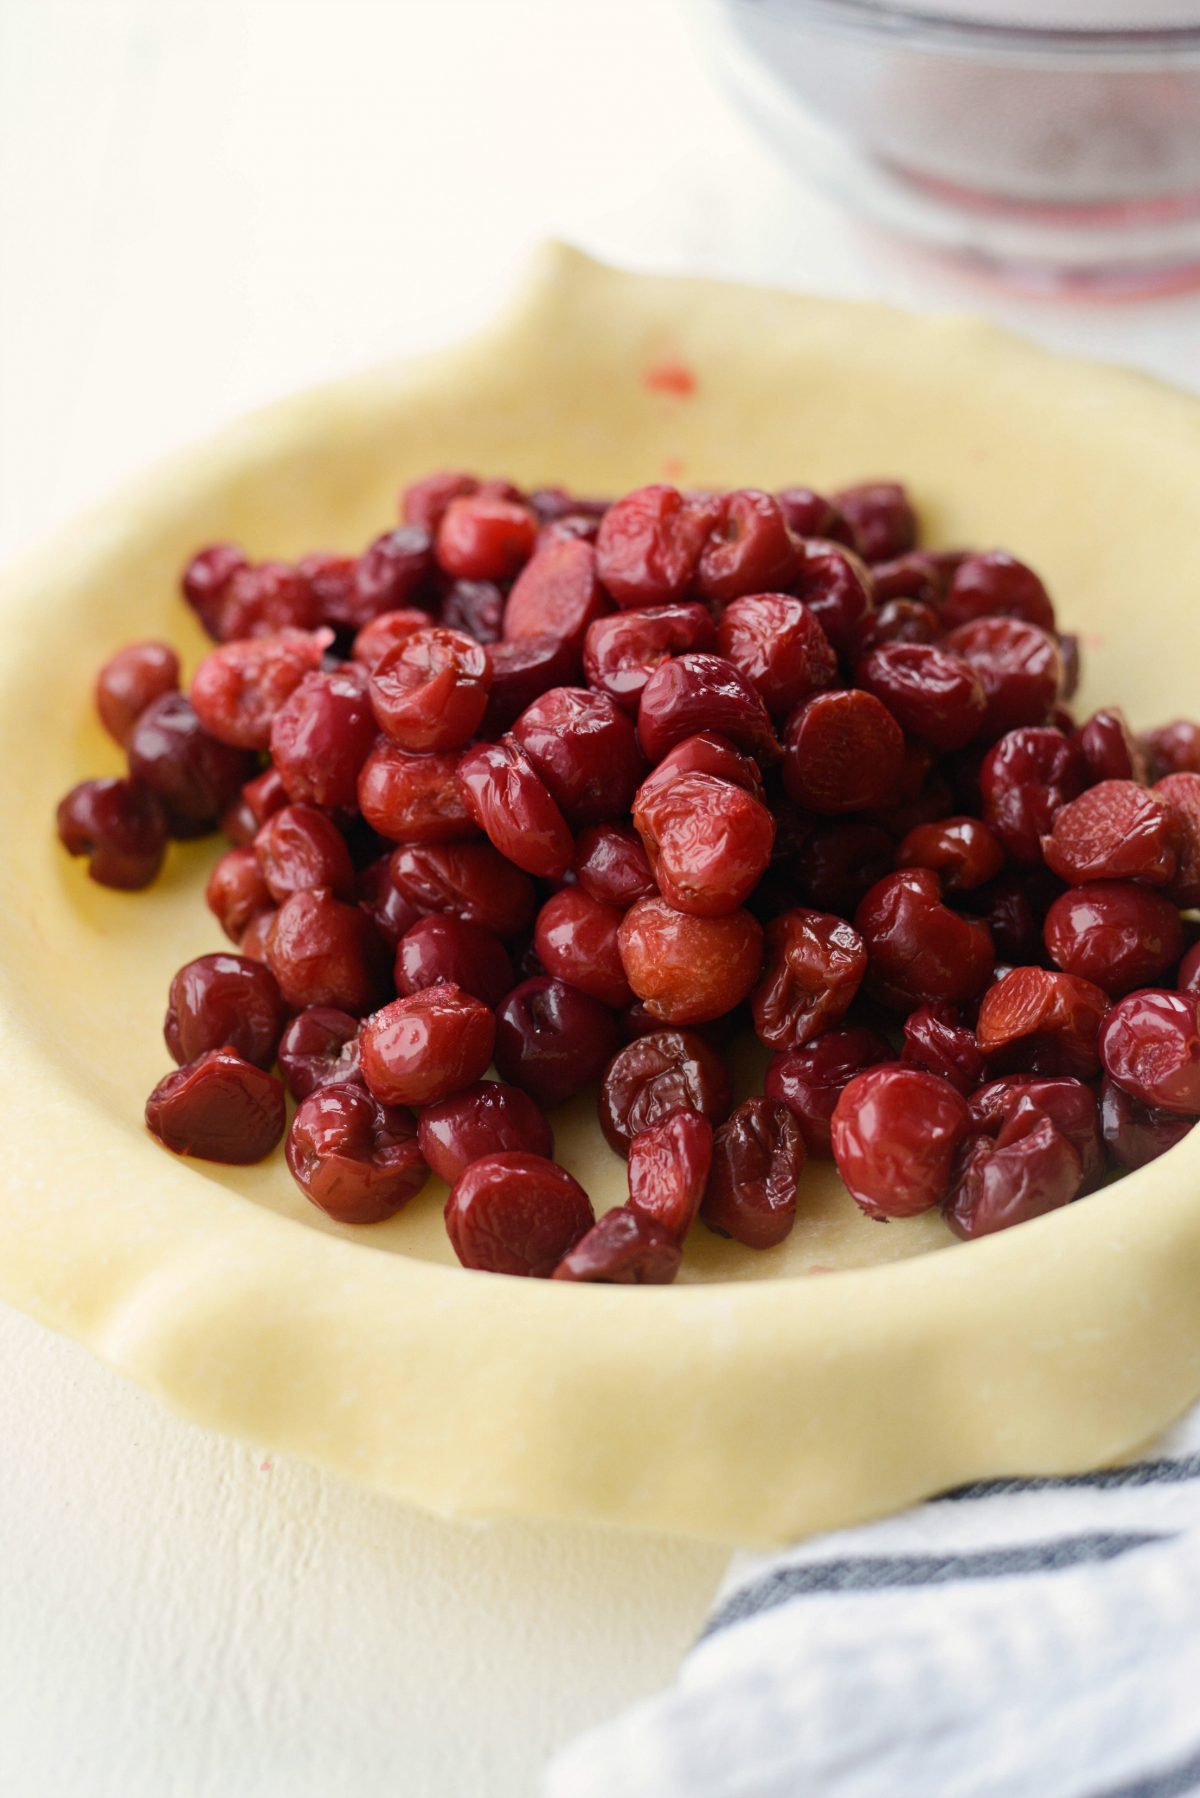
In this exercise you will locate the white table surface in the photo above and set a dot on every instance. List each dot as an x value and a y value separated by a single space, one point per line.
204 204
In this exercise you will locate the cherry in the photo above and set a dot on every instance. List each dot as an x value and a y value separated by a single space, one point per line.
685 969
484 539
440 951
694 693
655 1075
1150 1045
842 752
429 691
576 940
515 1213
934 696
914 578
895 1134
1133 1133
556 594
258 800
413 798
552 1040
963 852
649 545
881 516
130 681
918 950
425 1046
1188 978
476 608
1019 667
774 640
623 1248
705 753
318 1048
488 1118
622 651
996 585
1115 831
669 1163
301 847
258 600
837 590
610 865
472 881
390 575
1069 1104
236 891
321 736
120 825
895 621
707 841
1041 1021
205 579
937 1039
220 1000
1182 794
356 1159
193 774
810 514
511 803
385 632
758 1156
325 953
424 502
749 548
1029 1170
519 672
331 581
837 864
1115 934
1026 779
585 749
253 944
809 1081
813 968
1174 748
383 902
219 1108
239 686
1108 748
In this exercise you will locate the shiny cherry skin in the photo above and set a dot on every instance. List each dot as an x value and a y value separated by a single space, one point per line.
120 825
837 589
685 969
193 774
375 639
937 1039
261 598
205 579
813 967
708 841
611 867
392 573
319 1047
441 951
131 680
895 1133
502 791
1030 1169
881 516
357 1160
220 1000
576 940
1116 934
919 950
1182 794
516 1213
622 651
669 1164
484 539
1150 1045
585 749
383 902
1025 780
656 1074
299 848
1108 748
842 752
622 1248
749 548
1173 748
556 594
519 672
1019 666
757 1158
218 1108
963 852
323 952
552 1040
1069 1104
472 881
1133 1133
1041 1021
935 697
691 694
809 1081
1116 830
996 585
430 691
426 1045
649 545
238 687
413 798
775 641
488 1118
236 891
321 736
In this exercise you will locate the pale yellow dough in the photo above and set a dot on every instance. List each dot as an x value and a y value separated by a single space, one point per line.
753 1401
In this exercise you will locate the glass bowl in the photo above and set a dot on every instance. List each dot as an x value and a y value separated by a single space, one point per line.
1052 144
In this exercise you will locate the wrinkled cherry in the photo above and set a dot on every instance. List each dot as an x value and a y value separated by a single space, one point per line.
669 1163
962 852
996 585
707 841
121 827
130 681
684 969
649 545
484 539
219 1108
301 847
383 902
1182 794
556 594
1019 667
1115 934
1029 1170
236 891
193 774
425 1046
937 1039
390 575
258 800
1150 1045
413 798
585 749
260 599
919 950
696 693
440 951
610 865
836 588
1069 1104
809 1081
623 1248
576 941
239 687
1026 779
383 633
881 516
655 1075
1038 1020
220 1000
814 966
775 641
488 1118
331 580
318 1048
515 1213
1133 1133
622 651
895 1134
749 548
325 953
1114 831
519 672
424 502
511 803
321 736
933 696
476 608
355 1158
1108 748
429 691
205 579
842 752
466 880
552 1040
758 1156
915 578
895 621
1174 748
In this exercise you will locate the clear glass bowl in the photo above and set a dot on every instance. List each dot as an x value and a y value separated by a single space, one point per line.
1048 143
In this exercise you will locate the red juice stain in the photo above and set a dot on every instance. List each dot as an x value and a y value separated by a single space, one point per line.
670 376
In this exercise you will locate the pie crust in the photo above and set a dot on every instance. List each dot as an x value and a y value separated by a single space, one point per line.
753 1401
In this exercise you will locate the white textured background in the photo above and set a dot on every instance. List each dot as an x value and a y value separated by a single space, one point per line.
203 204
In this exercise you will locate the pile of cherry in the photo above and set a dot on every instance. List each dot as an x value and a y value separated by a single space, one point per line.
583 790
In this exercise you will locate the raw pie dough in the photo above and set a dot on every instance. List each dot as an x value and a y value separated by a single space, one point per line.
755 1400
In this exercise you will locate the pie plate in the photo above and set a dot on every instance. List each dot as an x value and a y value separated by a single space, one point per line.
856 1367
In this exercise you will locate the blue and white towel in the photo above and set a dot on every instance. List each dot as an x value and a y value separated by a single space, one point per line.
1011 1639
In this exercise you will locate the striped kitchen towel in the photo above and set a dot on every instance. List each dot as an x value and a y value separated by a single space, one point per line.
1011 1639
